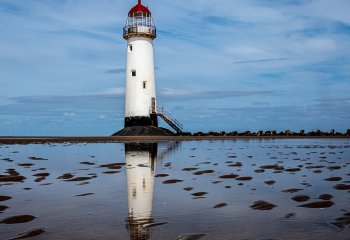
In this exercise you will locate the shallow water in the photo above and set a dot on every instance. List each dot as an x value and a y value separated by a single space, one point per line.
244 189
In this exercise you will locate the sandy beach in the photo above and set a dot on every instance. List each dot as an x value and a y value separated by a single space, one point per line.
233 188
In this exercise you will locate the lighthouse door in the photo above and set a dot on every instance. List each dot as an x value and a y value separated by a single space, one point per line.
153 105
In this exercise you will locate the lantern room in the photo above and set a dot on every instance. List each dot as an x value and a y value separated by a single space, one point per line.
139 23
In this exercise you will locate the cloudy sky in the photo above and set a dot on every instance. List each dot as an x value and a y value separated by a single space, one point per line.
220 65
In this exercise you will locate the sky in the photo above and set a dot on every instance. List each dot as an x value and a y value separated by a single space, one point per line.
229 65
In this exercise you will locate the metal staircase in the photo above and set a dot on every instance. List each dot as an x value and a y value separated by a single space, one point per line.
176 125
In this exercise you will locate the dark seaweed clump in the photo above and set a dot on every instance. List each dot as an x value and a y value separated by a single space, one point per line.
29 234
321 204
263 206
18 219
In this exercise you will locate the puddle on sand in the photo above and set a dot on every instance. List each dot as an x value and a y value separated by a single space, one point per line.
244 189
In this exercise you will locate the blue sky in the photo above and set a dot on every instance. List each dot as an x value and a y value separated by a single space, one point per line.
224 65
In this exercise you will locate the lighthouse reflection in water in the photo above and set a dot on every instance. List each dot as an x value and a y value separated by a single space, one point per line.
141 159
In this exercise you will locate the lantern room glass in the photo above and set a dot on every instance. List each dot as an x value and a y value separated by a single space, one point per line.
140 19
140 23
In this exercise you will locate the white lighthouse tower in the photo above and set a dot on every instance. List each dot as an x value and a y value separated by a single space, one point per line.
141 109
140 97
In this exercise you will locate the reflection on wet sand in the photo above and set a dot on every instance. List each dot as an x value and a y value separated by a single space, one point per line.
140 167
141 159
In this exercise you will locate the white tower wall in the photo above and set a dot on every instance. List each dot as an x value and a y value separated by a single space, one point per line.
140 89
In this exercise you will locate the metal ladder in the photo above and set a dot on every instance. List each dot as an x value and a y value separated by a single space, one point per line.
176 125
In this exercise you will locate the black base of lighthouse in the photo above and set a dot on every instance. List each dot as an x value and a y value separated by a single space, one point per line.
143 126
141 121
144 131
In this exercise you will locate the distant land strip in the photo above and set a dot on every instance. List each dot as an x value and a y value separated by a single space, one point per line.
124 139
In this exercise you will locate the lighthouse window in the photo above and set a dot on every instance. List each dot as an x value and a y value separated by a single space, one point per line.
130 47
133 73
144 85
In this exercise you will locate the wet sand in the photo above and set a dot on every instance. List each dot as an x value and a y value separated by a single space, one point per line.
231 189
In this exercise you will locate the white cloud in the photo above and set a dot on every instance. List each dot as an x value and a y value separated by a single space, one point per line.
64 48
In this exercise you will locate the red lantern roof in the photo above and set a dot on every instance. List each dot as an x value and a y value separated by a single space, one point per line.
139 8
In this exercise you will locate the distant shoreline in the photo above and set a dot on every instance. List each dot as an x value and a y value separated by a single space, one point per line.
122 139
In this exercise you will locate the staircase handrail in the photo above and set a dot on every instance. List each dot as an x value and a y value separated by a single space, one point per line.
162 111
171 118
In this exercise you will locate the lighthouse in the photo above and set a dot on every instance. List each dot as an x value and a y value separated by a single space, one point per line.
141 110
140 95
